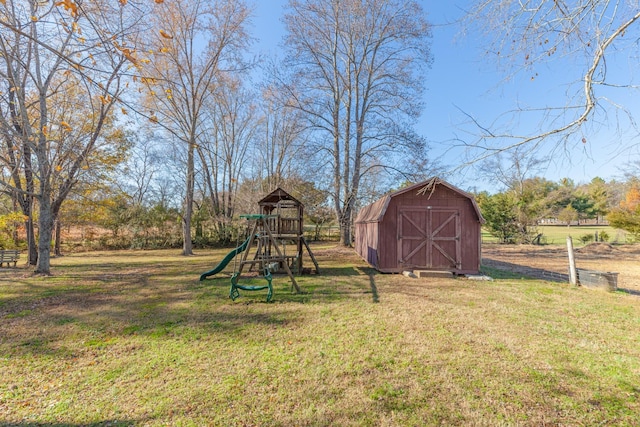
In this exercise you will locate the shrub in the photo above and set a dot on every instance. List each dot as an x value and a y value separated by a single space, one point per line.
586 238
499 211
9 223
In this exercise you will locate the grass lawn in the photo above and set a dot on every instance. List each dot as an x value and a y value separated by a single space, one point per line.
557 234
133 338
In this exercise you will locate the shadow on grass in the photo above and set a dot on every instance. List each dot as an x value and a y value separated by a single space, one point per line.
374 289
507 270
335 284
630 291
100 325
346 271
107 299
119 302
371 273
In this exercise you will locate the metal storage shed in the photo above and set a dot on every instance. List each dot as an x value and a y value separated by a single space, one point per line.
431 225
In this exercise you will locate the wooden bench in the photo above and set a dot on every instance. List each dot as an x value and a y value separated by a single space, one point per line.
8 256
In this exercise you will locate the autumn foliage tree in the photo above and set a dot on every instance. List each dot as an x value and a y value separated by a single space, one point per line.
61 74
627 215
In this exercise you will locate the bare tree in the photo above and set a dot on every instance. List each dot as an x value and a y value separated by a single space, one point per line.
138 176
284 136
358 72
232 124
527 194
196 42
513 171
527 35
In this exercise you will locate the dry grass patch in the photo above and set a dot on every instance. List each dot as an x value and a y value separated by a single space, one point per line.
128 338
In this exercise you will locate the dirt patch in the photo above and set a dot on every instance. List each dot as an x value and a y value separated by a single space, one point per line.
551 262
597 248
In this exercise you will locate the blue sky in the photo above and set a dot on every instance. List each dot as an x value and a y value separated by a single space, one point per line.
463 78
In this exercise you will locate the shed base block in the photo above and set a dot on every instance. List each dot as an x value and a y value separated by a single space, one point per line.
433 273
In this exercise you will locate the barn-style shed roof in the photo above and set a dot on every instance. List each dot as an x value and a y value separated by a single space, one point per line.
375 211
278 195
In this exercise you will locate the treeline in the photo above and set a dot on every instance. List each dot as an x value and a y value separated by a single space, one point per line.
147 119
512 215
116 217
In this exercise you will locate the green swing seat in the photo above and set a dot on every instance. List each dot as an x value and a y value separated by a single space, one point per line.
235 293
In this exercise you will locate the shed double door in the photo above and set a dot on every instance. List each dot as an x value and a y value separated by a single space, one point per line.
429 238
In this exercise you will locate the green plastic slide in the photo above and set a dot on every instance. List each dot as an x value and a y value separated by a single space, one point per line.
225 261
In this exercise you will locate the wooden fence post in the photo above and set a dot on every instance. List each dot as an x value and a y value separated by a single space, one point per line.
573 274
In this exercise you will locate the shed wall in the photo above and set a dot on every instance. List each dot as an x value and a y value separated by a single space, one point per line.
367 242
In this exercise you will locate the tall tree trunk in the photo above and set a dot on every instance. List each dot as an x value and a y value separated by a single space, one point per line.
187 244
32 248
345 231
45 225
346 222
28 207
58 230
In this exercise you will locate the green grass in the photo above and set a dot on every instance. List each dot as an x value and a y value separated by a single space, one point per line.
132 338
554 234
557 234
